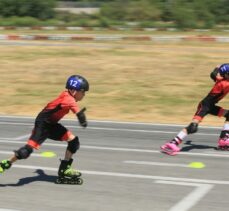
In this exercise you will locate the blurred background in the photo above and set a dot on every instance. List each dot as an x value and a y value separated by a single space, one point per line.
110 13
146 60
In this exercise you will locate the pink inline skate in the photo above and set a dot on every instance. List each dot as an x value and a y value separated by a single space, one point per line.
223 143
170 148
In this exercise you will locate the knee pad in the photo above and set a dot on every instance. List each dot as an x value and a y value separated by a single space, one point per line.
24 152
73 145
192 128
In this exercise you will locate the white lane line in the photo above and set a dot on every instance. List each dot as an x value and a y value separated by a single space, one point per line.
22 137
16 123
115 129
8 141
102 128
154 151
2 209
113 122
220 155
145 131
11 153
191 199
126 175
156 163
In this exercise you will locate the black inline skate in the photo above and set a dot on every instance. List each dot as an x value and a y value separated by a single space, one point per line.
5 164
67 175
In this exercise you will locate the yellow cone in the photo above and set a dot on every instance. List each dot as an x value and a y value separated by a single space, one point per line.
48 154
197 165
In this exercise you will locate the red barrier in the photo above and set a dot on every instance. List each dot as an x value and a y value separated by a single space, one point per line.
13 37
40 37
200 38
82 38
137 38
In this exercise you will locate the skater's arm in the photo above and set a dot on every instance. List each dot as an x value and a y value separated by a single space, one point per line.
82 117
215 75
214 95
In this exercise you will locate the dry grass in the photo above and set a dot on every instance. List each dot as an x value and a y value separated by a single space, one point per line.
148 82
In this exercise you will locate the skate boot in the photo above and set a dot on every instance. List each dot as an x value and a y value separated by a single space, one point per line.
5 164
223 143
170 148
67 175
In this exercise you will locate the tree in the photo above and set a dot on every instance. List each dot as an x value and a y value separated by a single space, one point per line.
42 9
142 10
114 10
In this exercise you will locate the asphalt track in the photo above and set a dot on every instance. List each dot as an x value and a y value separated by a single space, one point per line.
122 169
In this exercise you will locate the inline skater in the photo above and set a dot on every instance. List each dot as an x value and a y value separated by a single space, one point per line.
220 75
47 126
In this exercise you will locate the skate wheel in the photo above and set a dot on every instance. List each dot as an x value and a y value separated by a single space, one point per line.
79 181
58 181
226 148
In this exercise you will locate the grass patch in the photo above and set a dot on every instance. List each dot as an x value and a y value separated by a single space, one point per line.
150 82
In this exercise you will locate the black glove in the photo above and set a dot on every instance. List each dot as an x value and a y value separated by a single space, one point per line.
82 117
214 74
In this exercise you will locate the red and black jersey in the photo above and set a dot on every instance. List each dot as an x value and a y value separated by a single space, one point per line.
218 92
208 104
58 108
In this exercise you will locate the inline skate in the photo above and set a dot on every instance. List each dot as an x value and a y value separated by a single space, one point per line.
67 175
5 164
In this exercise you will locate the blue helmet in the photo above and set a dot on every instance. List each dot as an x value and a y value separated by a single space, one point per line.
77 83
224 69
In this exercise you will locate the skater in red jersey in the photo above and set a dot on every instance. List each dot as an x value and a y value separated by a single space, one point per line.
47 126
207 106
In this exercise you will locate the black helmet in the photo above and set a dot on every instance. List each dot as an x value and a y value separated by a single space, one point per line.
78 83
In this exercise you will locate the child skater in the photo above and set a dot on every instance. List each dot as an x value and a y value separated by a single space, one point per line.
207 106
47 126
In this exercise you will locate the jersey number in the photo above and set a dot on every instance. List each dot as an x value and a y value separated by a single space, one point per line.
73 83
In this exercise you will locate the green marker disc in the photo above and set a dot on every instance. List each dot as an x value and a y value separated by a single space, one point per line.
196 165
48 154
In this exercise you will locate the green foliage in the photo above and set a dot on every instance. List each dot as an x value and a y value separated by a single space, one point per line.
157 24
115 10
42 9
142 10
27 21
190 14
178 13
16 21
184 13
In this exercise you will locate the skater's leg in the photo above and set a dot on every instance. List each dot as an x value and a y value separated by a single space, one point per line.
59 132
65 165
22 153
223 142
66 174
171 147
73 146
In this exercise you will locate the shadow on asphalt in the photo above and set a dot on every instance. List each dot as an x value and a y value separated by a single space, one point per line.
190 146
41 176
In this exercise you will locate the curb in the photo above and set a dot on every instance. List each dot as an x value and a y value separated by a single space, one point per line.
79 28
139 38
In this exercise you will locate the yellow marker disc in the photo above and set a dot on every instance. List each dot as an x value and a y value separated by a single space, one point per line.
197 165
48 154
